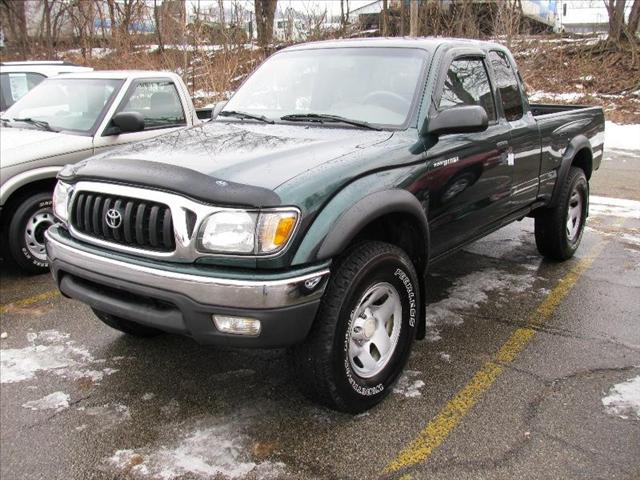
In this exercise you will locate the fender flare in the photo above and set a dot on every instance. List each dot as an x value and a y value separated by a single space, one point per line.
579 142
25 178
368 209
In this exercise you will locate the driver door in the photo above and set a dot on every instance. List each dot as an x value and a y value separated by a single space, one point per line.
158 101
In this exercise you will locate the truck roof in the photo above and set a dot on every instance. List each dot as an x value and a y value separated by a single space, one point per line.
121 74
424 43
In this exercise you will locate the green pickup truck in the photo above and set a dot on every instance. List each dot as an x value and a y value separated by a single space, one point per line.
306 213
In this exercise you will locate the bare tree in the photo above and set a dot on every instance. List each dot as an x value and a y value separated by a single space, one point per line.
413 19
14 17
157 17
265 12
618 30
385 18
344 16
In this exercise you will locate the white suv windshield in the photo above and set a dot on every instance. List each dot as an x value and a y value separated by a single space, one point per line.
74 104
373 85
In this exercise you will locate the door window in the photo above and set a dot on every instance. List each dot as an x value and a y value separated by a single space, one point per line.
467 83
158 102
14 86
507 83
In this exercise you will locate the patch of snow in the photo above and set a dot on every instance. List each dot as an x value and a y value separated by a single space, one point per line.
148 396
445 357
50 351
408 385
82 427
469 292
171 409
4 335
623 399
56 401
109 414
209 452
632 239
558 97
625 137
616 207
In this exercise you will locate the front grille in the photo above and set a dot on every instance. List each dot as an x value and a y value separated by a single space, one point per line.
142 224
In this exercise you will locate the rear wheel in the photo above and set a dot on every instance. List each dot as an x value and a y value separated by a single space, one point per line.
362 336
126 326
558 230
25 237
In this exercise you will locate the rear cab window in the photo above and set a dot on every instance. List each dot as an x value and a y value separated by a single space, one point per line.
508 86
15 85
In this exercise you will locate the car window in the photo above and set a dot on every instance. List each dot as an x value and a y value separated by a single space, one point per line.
467 83
507 83
158 102
14 86
73 104
375 85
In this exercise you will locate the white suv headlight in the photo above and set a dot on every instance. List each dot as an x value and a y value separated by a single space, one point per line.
243 232
61 197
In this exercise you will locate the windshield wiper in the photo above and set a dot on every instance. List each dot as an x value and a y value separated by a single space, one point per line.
324 117
38 123
244 115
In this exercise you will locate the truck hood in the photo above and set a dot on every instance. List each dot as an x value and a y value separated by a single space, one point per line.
20 145
260 155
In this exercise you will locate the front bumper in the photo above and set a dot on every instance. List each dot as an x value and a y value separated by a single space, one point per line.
182 302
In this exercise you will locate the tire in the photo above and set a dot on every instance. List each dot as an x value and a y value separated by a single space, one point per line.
557 238
328 369
126 326
25 236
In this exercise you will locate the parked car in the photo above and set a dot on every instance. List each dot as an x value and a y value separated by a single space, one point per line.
17 78
66 119
306 214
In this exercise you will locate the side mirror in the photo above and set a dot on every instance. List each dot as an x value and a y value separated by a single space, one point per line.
128 122
464 119
217 108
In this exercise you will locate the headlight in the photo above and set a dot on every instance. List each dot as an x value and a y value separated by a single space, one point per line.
61 196
242 232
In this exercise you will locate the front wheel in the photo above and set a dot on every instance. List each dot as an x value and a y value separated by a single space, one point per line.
558 230
25 237
362 336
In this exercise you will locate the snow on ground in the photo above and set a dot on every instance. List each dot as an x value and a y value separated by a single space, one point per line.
50 351
615 207
558 97
626 137
56 401
623 399
468 293
204 452
408 385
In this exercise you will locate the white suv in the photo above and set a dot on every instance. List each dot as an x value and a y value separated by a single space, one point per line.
17 78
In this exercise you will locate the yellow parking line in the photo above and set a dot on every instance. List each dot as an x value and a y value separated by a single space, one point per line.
25 302
440 427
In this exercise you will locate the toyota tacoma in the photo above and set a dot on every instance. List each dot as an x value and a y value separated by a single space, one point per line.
306 213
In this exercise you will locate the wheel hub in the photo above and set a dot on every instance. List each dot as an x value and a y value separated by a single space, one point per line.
37 224
574 215
375 329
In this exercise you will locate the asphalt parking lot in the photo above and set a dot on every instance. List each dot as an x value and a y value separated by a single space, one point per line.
517 378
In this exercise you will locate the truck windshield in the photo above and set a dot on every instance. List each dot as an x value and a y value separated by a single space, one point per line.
74 104
373 85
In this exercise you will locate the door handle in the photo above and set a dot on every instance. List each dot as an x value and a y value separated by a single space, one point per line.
503 145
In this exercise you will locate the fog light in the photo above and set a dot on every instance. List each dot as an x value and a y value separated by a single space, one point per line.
237 325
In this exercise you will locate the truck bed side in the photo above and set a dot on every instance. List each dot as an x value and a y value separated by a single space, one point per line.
567 132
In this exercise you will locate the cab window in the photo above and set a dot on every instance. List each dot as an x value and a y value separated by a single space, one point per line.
158 102
467 83
14 86
507 83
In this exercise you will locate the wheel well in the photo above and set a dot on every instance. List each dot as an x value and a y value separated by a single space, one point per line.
583 159
44 185
399 229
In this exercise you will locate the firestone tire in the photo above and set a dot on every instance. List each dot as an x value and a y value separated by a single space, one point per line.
373 295
25 235
559 230
126 326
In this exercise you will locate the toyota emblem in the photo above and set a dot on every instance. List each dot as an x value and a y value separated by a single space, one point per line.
113 218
